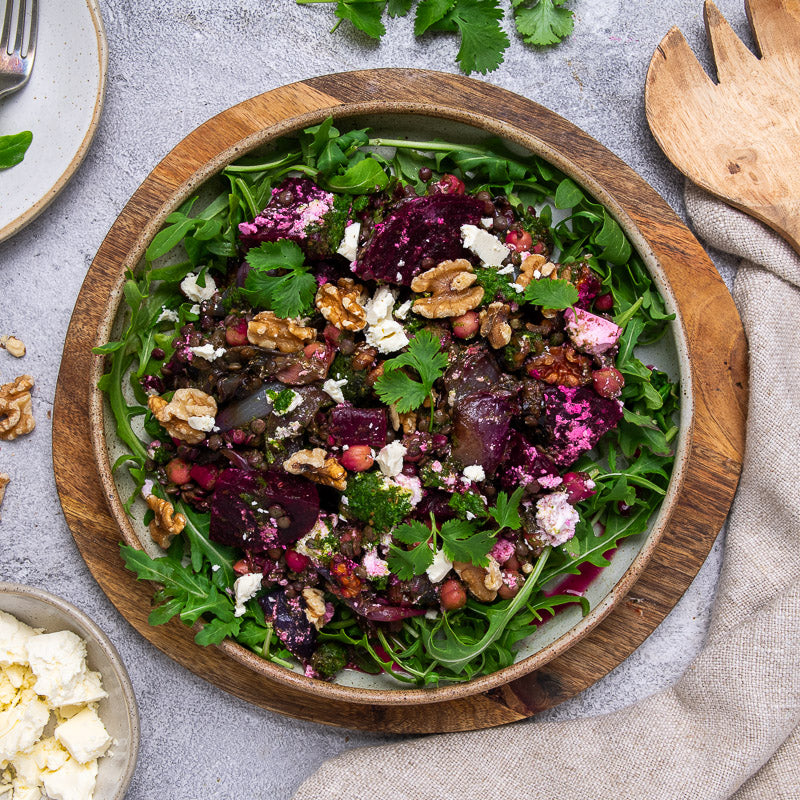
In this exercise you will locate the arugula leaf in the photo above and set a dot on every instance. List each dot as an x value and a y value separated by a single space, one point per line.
13 148
287 295
365 15
544 23
423 355
551 293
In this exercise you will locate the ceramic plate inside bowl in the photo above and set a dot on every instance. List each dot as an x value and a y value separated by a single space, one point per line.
610 584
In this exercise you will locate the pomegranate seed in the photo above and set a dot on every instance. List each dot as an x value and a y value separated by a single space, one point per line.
521 241
178 471
465 326
538 248
452 595
296 562
241 567
608 382
605 302
357 458
236 335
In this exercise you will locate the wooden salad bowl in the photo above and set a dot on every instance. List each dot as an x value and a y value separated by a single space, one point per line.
712 352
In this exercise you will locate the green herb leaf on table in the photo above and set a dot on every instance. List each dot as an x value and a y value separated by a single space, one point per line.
13 148
366 16
429 12
425 357
551 293
287 295
483 41
543 22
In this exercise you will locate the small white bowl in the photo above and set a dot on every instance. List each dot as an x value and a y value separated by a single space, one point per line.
40 609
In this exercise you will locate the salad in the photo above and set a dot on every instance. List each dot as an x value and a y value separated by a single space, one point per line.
380 398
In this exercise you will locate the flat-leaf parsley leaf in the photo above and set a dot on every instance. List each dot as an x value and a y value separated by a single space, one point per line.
551 293
289 294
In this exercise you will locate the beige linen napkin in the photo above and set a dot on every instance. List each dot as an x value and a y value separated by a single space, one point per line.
729 726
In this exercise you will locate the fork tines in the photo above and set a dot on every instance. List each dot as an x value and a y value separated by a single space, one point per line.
18 36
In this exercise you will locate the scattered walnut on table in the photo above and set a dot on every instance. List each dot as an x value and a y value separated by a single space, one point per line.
176 414
314 465
451 287
166 524
5 479
276 333
341 304
16 408
14 346
315 606
494 324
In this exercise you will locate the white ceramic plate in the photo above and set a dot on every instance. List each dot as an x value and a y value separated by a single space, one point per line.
60 105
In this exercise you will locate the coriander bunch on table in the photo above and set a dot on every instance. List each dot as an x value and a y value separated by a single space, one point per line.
477 22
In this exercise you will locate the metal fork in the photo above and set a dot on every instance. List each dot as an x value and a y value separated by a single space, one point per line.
15 68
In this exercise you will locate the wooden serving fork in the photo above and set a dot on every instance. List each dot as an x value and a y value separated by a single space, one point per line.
739 138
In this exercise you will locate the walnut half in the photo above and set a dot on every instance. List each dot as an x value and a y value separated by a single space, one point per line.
494 324
166 524
451 287
315 606
481 582
276 333
14 346
314 465
16 408
341 304
186 407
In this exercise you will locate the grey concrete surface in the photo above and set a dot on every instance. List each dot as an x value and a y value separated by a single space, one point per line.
173 64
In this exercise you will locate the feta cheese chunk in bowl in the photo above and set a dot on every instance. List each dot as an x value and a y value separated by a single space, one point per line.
79 717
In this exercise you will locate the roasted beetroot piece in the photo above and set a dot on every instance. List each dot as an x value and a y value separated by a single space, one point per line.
578 486
300 211
354 426
481 428
473 370
437 503
239 515
288 618
417 228
525 463
575 419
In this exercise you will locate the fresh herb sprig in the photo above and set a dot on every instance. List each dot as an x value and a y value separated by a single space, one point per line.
483 41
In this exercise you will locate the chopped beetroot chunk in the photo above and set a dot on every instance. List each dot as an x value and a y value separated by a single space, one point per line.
481 429
288 618
576 418
239 508
417 228
354 426
298 210
525 463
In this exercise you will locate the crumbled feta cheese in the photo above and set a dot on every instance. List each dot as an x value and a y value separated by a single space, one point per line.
245 588
21 726
14 636
441 565
59 662
167 315
401 312
590 332
203 423
508 269
379 306
197 293
72 781
390 458
387 336
84 735
412 485
487 222
488 248
556 518
517 288
195 309
474 474
374 565
348 247
208 351
296 400
333 389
